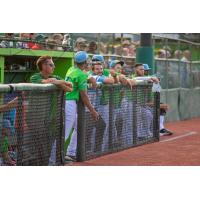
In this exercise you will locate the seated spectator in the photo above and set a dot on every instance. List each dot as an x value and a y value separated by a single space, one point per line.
186 56
67 42
8 43
80 44
27 41
178 54
161 53
126 49
40 38
51 44
167 51
58 38
132 49
102 48
23 44
31 38
92 48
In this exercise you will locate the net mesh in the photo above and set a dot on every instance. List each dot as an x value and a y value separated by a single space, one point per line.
127 118
31 127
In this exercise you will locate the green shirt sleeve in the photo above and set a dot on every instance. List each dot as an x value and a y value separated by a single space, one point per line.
36 78
82 82
106 72
57 77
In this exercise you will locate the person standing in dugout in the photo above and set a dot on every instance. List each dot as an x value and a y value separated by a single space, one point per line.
78 78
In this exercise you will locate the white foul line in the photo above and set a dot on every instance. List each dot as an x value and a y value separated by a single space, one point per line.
181 136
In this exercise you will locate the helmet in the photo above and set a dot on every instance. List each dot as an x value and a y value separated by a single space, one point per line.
80 57
98 57
146 67
114 62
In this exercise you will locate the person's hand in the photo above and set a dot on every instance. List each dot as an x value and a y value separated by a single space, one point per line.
51 80
95 115
155 79
133 82
93 83
69 84
164 106
113 73
130 83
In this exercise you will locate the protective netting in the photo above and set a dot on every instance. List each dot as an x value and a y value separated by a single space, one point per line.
31 124
178 74
127 118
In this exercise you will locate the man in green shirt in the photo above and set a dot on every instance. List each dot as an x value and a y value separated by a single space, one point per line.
100 58
46 68
78 78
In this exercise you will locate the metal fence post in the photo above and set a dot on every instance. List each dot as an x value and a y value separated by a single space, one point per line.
156 117
81 133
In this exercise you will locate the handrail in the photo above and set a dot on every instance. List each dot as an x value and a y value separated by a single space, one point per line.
26 87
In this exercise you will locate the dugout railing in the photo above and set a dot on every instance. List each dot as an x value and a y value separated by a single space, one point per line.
128 118
31 124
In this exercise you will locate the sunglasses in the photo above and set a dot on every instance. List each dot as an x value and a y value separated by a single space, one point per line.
50 64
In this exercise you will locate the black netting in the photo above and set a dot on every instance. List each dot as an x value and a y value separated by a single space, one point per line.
127 118
31 128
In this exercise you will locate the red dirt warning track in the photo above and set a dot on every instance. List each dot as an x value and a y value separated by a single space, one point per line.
182 148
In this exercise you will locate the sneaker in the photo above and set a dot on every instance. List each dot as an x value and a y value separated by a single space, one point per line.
165 132
69 158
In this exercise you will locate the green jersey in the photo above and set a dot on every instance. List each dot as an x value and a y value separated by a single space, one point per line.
118 94
106 72
79 80
51 110
37 78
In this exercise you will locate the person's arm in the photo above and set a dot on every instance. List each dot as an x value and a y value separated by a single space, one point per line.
92 81
63 85
114 75
109 80
127 81
155 79
9 105
147 78
87 103
164 106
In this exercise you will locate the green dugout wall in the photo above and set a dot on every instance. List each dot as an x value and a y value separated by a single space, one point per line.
62 60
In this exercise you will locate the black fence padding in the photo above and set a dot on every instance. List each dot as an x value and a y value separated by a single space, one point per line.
32 130
128 118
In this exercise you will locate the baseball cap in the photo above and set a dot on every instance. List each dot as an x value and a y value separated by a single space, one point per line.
40 38
80 57
114 62
146 67
81 40
127 42
98 57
